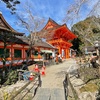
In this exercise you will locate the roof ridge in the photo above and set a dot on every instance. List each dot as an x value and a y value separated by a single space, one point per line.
53 21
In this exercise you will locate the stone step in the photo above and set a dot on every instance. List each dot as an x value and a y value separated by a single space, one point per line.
42 94
49 94
57 94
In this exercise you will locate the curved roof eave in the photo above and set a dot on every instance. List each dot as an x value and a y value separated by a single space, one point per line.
9 28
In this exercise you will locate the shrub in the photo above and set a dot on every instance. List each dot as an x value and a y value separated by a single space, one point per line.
12 77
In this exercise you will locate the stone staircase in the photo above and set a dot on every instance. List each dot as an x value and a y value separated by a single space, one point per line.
49 94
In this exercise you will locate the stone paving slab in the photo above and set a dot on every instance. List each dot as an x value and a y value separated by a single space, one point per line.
42 97
57 94
42 94
49 94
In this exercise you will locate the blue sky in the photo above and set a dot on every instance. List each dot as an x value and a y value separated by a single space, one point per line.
55 9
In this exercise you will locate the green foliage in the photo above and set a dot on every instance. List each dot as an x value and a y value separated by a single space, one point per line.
87 73
11 4
87 31
2 53
98 84
96 30
12 77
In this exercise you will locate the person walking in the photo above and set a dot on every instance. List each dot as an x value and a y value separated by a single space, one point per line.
56 58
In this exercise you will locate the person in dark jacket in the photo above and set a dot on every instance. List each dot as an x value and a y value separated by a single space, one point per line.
93 59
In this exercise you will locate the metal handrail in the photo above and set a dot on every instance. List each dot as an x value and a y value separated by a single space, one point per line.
67 83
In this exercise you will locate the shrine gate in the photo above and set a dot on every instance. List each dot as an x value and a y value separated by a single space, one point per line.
58 36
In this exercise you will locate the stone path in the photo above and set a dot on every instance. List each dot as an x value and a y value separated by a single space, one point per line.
52 82
49 94
55 74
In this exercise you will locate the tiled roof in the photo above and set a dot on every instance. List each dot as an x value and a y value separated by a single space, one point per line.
60 30
41 43
14 40
6 27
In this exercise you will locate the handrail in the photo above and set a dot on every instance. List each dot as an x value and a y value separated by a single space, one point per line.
67 82
65 85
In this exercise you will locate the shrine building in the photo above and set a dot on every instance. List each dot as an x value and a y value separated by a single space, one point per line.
16 47
59 36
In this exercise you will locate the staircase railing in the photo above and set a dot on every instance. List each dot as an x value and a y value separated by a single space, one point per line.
67 83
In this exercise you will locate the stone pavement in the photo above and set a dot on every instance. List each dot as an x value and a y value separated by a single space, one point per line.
49 94
52 83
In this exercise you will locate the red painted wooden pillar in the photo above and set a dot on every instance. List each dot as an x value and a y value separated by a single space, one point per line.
12 52
67 53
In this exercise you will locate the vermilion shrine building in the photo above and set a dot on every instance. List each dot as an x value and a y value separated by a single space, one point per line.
58 36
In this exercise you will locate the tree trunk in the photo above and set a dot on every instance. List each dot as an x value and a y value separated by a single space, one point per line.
4 59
